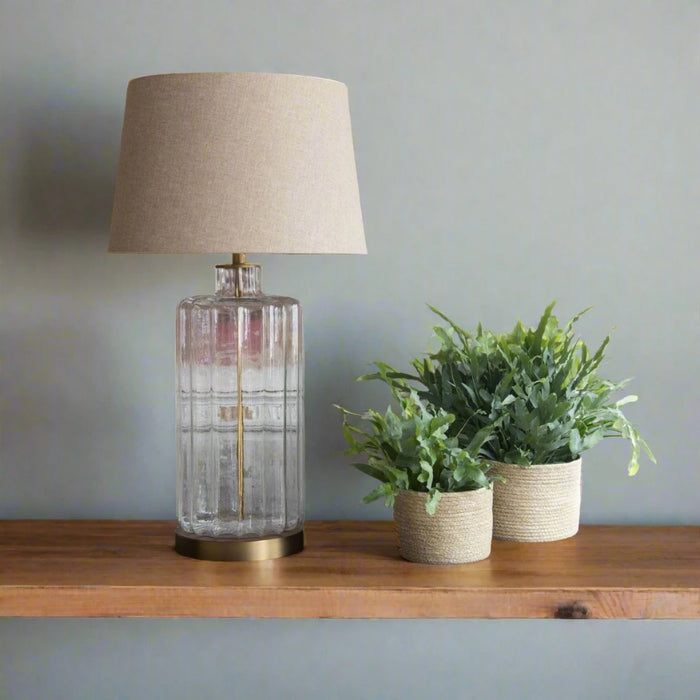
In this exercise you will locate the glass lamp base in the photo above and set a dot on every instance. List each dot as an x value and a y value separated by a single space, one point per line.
240 419
259 549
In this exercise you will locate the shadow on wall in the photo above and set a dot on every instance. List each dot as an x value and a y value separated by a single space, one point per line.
65 167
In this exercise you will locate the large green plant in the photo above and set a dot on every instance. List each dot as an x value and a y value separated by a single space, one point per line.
537 389
411 449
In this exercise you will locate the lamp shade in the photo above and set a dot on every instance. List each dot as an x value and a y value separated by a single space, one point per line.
236 162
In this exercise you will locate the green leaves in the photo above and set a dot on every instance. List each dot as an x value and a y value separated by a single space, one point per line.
432 501
531 396
537 390
411 449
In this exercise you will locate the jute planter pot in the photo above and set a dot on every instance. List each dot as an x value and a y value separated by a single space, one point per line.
459 532
541 503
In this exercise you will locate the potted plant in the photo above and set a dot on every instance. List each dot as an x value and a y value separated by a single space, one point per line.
539 393
440 491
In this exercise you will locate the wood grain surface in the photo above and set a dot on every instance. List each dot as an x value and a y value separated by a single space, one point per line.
349 569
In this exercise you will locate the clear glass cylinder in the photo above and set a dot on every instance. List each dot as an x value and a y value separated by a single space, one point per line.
240 410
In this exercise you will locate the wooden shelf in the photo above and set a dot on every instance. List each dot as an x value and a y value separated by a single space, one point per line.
349 569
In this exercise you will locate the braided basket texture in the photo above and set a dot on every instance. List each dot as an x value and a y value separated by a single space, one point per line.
541 503
458 533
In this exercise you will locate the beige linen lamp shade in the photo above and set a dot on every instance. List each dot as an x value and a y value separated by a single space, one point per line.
236 163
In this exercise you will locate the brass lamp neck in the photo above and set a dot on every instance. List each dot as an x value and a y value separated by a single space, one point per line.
237 260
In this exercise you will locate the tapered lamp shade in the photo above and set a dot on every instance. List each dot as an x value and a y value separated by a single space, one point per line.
236 162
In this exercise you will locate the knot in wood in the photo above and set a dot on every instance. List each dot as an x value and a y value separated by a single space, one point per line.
573 611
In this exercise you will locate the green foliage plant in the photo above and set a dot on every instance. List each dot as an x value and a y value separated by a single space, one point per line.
536 390
410 449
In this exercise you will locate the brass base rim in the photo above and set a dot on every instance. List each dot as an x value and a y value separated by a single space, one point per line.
259 549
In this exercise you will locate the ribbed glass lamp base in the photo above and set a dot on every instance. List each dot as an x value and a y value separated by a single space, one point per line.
240 412
214 549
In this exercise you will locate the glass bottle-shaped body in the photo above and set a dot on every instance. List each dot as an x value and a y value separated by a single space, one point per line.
240 410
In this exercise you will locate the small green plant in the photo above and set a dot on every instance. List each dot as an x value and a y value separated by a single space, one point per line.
536 389
412 450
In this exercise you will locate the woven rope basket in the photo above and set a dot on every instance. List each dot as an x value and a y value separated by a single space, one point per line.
459 532
541 503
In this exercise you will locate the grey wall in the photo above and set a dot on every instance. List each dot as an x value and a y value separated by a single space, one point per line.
509 153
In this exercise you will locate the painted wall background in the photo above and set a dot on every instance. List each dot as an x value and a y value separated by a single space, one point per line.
508 154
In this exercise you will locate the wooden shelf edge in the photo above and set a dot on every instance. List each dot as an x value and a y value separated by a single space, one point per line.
343 603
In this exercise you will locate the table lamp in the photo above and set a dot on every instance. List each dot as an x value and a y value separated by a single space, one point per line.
238 163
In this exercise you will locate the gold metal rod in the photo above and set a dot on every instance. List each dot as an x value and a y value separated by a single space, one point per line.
239 378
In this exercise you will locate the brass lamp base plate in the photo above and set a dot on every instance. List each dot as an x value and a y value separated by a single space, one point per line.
213 549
